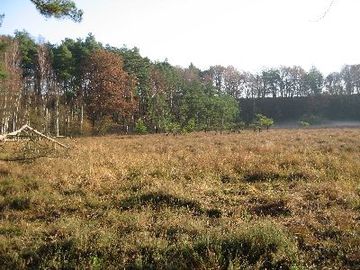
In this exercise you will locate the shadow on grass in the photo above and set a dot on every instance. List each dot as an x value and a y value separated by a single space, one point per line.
262 176
4 172
16 203
157 200
272 208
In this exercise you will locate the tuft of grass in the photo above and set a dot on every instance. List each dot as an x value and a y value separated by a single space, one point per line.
19 203
261 246
4 172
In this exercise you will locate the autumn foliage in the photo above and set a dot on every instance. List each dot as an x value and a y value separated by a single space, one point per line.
109 90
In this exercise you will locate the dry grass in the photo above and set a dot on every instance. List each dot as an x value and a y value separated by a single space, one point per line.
283 199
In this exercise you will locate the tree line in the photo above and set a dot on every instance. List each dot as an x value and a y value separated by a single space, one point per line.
82 86
313 110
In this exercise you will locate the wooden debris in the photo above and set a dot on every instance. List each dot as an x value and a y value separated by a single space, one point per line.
26 128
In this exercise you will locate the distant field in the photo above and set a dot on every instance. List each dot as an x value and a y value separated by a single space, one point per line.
283 199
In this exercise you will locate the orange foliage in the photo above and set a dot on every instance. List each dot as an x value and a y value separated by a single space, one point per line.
109 89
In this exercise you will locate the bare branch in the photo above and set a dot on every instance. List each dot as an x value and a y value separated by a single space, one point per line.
325 13
26 127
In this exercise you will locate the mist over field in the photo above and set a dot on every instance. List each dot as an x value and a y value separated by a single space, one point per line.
325 124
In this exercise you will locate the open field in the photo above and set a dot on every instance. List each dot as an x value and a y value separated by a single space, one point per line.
283 199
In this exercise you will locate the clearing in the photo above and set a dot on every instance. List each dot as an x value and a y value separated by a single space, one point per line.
277 200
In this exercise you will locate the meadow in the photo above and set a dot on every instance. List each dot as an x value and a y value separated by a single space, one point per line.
282 199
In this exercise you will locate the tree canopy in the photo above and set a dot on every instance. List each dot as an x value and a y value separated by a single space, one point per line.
59 9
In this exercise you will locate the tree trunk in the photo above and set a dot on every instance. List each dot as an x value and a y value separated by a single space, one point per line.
57 116
81 118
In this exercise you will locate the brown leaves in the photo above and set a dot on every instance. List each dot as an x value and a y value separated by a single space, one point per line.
109 89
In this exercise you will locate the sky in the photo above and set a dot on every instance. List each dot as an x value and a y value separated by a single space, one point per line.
248 34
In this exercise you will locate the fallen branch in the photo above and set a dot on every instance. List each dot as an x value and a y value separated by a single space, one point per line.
26 127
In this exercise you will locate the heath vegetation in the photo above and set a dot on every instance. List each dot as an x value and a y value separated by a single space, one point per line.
283 199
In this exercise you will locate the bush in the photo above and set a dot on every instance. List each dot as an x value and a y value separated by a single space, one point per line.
172 127
190 126
312 119
264 121
140 127
103 126
303 123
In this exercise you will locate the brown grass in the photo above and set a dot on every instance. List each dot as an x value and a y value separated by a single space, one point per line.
278 199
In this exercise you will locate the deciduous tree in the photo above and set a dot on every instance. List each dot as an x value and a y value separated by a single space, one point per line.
109 89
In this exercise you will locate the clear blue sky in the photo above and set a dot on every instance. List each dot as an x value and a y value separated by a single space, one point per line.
248 34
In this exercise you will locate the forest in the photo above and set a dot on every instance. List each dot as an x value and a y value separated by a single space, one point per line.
85 87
